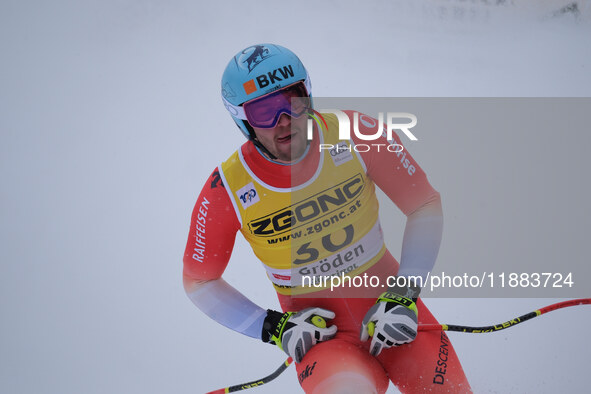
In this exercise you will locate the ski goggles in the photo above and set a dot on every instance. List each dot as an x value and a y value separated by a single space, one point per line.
264 112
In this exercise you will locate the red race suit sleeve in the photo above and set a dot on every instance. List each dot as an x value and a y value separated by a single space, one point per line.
214 225
212 233
393 169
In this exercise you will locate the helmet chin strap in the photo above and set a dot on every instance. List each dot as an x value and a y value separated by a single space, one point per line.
261 147
252 137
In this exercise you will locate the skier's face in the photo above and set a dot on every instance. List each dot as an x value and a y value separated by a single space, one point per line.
287 140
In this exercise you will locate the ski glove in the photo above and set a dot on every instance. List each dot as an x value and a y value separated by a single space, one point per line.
296 332
392 320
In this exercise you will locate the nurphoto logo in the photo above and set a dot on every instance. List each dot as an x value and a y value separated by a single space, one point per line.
369 123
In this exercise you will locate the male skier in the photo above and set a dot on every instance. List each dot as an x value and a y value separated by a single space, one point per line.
313 212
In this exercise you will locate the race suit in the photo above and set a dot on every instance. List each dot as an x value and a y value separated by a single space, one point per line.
318 218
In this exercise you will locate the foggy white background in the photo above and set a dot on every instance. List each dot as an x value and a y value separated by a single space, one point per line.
111 120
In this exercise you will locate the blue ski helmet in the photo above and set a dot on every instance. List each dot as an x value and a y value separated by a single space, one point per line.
256 71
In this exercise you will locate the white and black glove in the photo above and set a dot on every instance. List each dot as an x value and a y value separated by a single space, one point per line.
392 320
296 332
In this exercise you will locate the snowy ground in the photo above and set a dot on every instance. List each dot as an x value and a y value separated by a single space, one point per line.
111 120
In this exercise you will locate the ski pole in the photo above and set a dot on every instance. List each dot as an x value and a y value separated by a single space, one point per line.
255 383
507 324
423 327
318 321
